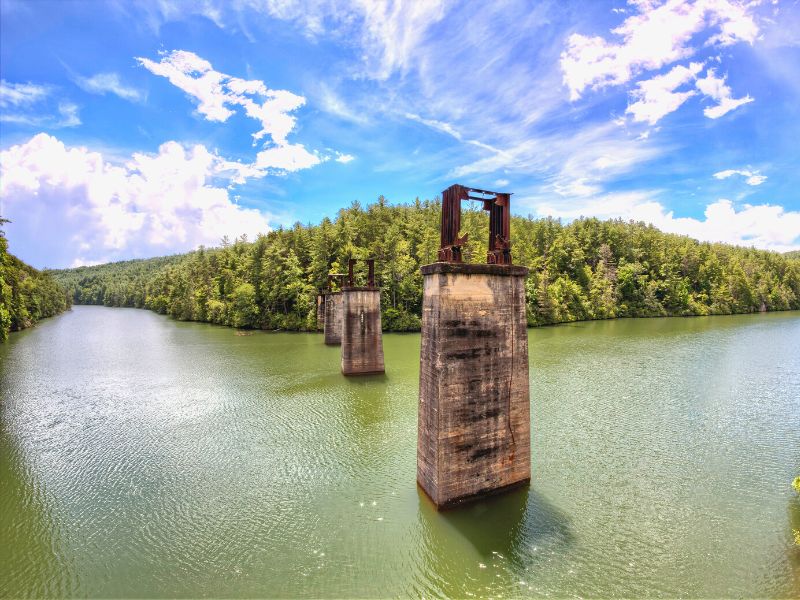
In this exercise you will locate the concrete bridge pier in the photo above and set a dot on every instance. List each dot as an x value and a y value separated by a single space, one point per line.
362 338
474 434
333 318
474 424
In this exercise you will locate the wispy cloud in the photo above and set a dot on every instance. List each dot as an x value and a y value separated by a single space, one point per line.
751 177
21 94
333 103
714 87
104 83
68 116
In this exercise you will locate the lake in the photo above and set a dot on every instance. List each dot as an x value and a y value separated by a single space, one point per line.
140 456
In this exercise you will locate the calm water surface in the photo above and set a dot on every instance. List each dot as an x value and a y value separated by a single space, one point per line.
144 457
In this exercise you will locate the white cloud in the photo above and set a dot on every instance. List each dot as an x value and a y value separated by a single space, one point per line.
714 87
21 94
656 97
434 124
752 177
660 34
766 226
447 128
395 31
217 92
344 158
502 182
103 83
331 102
289 157
74 203
23 99
69 115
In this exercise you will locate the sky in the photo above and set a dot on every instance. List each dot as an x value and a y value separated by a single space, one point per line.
130 130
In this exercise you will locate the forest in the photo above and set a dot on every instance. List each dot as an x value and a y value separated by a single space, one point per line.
587 269
26 295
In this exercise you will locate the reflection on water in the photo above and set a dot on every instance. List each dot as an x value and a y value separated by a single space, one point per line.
144 457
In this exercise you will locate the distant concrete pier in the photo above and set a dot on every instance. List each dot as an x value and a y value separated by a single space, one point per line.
362 338
332 325
333 318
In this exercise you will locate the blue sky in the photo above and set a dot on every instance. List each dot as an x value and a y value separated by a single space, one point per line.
141 129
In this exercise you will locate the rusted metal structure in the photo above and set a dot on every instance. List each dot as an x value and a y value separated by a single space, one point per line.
362 338
335 278
474 403
370 272
333 309
498 204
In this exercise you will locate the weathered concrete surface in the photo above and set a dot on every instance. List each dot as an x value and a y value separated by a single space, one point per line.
474 430
320 312
333 318
362 339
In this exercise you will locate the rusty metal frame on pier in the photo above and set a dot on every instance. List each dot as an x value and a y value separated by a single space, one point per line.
336 278
370 272
498 204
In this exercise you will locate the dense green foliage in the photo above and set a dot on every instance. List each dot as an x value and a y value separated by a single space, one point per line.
26 295
588 269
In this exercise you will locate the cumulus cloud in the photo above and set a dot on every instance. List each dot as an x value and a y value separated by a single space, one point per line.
217 93
751 177
74 203
656 97
714 87
766 226
104 83
658 35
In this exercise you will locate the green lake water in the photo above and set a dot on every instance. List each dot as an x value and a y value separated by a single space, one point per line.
140 456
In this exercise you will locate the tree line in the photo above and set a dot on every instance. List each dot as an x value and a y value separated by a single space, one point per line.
26 295
587 269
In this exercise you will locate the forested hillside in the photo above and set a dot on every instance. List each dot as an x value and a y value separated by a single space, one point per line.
26 295
588 269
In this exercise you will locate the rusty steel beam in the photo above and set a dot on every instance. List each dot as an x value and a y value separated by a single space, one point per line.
498 204
370 272
336 278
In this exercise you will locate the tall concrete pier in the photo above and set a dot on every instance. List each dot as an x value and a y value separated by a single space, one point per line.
474 400
333 311
362 338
